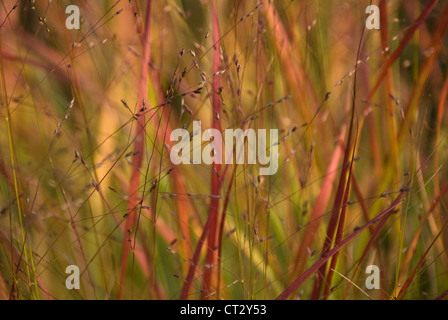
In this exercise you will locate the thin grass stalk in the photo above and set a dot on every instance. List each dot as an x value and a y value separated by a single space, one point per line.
389 172
335 215
221 232
138 147
30 272
183 203
442 296
391 59
407 37
427 67
211 258
419 264
185 208
325 257
335 228
372 230
424 73
417 236
389 113
372 241
439 118
339 234
294 72
322 200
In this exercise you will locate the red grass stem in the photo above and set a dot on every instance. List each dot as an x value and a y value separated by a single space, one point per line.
138 148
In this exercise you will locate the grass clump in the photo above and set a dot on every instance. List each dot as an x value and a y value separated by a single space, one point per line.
85 171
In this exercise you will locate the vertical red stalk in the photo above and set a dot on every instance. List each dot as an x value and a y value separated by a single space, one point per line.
335 216
211 258
138 149
336 226
339 233
221 232
320 205
406 38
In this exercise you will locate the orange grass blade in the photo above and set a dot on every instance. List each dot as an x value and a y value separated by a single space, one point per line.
407 37
425 72
211 258
221 232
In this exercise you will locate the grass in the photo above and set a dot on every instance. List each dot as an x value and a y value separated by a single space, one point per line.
86 177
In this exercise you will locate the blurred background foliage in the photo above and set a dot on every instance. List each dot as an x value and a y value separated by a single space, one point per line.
69 120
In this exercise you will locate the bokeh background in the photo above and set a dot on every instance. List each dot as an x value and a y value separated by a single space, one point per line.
86 178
